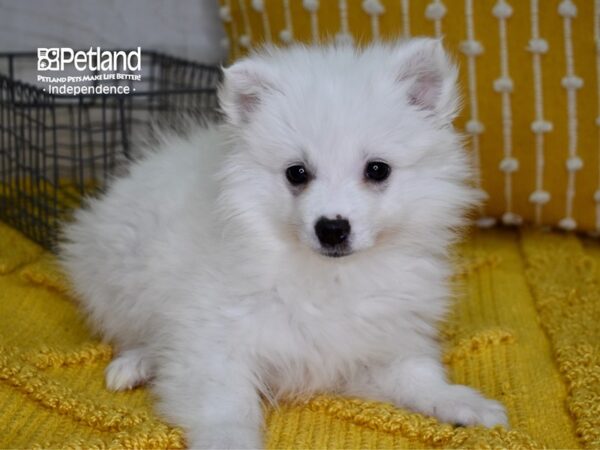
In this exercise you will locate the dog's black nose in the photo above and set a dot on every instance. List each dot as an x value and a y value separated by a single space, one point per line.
332 232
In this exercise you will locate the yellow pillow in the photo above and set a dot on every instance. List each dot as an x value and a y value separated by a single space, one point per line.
530 71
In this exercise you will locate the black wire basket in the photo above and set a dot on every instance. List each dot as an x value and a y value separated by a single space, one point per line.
56 149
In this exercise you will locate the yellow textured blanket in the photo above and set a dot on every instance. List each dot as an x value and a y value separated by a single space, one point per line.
526 331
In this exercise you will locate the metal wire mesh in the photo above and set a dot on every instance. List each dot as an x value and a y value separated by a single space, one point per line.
56 149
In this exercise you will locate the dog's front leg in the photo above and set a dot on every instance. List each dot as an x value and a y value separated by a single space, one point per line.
212 396
419 383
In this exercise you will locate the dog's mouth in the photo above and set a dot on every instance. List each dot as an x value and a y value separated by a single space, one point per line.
335 252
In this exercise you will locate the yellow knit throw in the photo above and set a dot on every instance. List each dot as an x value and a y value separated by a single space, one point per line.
526 331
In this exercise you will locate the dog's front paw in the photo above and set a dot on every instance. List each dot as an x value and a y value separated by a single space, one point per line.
127 371
225 436
461 405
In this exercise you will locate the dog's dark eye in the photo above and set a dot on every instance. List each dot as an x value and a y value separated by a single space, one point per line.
297 175
377 171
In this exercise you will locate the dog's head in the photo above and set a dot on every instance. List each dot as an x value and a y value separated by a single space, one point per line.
342 149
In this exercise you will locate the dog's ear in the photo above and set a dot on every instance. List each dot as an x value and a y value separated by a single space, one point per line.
429 76
245 83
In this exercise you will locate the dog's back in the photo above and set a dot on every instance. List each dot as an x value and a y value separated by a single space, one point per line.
120 246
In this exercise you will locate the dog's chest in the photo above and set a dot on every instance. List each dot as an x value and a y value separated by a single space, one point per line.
324 327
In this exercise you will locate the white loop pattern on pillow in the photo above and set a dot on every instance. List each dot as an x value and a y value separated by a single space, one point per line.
540 197
373 7
509 165
435 11
245 41
471 47
225 14
285 36
484 196
597 42
258 5
474 127
568 224
541 126
567 9
405 9
503 84
574 163
538 45
344 39
502 10
510 218
485 222
572 82
311 5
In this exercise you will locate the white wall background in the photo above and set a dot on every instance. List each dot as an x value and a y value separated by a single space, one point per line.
187 28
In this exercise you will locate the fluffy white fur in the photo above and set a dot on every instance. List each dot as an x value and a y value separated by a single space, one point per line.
203 268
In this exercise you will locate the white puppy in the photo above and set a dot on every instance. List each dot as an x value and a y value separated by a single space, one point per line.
300 247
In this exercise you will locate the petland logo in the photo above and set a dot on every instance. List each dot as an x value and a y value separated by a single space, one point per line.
91 72
95 59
